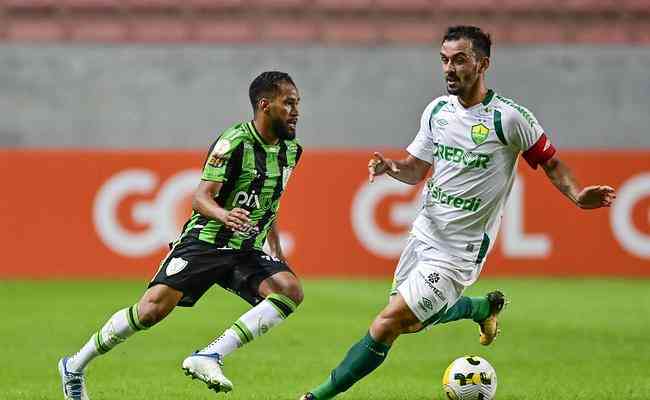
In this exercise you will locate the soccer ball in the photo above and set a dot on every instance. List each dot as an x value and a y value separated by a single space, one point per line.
470 378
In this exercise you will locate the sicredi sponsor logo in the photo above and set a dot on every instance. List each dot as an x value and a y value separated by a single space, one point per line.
459 156
437 196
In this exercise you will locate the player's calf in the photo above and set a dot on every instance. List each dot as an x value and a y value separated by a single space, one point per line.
206 364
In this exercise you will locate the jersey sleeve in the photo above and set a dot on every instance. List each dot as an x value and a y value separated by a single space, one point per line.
527 136
222 154
422 146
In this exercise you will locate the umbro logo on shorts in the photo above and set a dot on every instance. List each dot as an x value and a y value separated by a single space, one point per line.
175 266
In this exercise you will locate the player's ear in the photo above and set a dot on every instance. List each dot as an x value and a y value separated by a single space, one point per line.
483 64
264 105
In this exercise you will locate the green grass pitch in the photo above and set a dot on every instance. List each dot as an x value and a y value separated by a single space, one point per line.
561 339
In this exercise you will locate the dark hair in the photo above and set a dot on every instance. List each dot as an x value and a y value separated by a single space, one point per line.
481 41
267 84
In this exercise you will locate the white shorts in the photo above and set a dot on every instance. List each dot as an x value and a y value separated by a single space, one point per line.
423 280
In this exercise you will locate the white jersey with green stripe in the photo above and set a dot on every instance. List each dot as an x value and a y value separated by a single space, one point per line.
474 153
253 175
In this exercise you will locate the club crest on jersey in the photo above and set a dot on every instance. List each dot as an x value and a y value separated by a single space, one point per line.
217 157
479 133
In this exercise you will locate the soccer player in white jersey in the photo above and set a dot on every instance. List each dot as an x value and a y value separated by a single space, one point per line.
472 138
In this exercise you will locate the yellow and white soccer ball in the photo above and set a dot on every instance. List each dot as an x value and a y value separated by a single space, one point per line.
470 378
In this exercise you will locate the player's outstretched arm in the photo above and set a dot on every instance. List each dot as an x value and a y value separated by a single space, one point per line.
203 202
588 197
410 170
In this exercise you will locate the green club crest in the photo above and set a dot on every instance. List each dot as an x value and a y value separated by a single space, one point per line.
479 133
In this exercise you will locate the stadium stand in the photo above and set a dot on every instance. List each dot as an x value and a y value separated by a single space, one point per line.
329 21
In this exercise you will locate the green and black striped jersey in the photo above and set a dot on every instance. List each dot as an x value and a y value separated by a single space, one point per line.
254 175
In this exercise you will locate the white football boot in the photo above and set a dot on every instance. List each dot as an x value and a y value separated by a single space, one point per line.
74 383
207 368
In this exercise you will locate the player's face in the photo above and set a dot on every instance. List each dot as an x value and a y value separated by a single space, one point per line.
460 65
283 111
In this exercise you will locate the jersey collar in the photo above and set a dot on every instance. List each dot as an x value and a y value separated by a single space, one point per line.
257 136
488 97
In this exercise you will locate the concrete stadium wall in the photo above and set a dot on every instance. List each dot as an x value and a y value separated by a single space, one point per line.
181 96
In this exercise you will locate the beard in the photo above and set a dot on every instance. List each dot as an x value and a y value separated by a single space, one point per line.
453 91
281 130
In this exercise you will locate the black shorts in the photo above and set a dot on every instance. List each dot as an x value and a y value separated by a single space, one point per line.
193 266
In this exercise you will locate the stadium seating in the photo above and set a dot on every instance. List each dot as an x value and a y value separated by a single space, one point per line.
344 5
96 29
406 5
98 5
469 6
338 21
29 4
34 30
152 4
224 30
216 4
636 5
278 4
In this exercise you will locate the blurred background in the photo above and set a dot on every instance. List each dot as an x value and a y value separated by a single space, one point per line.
109 105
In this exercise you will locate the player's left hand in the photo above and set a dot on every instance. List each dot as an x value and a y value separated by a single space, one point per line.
595 197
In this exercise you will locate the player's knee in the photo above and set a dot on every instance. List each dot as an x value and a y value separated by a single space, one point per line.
293 290
385 328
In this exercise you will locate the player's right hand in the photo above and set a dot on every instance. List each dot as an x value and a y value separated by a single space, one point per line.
379 164
237 219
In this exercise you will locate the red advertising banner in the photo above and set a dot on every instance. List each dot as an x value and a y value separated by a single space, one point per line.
94 214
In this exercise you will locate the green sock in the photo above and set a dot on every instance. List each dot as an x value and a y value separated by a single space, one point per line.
362 359
476 308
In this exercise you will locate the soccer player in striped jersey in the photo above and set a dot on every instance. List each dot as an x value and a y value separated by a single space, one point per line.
472 139
235 210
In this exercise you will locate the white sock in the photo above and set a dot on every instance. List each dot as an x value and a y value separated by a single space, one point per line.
254 323
117 329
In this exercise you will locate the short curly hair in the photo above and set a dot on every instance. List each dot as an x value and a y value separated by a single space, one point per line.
267 84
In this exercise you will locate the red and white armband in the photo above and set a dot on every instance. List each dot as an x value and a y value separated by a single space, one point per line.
540 152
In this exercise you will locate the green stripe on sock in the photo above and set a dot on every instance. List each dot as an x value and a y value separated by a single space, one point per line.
99 345
278 309
240 333
244 330
130 319
285 300
136 318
